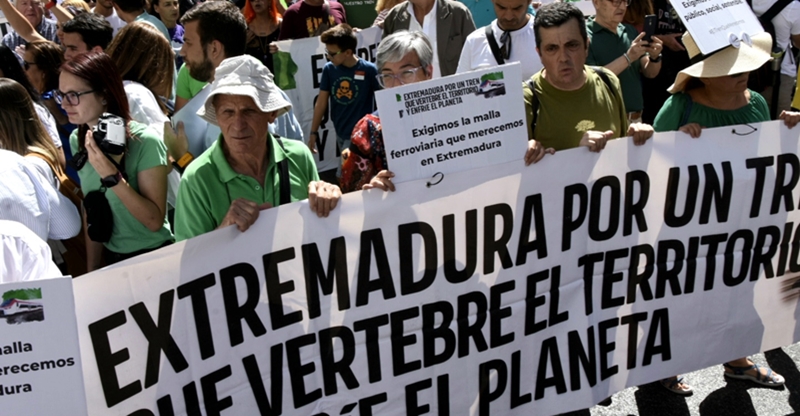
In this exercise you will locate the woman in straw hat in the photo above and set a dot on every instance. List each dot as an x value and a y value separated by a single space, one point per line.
712 92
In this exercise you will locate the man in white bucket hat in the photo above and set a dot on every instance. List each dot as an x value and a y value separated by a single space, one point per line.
247 169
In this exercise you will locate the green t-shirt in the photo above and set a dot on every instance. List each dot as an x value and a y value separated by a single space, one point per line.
565 115
145 151
606 46
674 109
209 185
187 86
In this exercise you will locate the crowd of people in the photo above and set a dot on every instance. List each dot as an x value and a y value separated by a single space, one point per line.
129 125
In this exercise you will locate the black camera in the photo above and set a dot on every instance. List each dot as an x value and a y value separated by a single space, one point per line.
109 134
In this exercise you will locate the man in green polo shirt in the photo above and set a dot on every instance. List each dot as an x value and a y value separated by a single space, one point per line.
247 169
620 48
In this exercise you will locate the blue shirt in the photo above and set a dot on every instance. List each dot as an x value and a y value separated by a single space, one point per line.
351 93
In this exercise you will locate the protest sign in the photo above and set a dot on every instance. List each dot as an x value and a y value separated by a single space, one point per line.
450 124
298 71
501 290
715 24
40 363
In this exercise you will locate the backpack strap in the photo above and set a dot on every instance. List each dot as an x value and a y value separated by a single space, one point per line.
774 10
284 182
602 74
494 46
534 105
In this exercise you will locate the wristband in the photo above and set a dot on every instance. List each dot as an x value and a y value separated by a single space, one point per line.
627 58
314 133
184 160
655 61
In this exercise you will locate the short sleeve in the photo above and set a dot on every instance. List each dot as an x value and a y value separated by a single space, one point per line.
182 89
325 81
192 216
669 117
152 150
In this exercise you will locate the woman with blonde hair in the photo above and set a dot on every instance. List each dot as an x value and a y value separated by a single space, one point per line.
21 132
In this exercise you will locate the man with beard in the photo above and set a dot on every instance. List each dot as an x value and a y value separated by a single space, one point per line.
213 31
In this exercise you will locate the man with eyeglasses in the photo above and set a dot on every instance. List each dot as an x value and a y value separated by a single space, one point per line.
618 47
509 38
349 84
33 10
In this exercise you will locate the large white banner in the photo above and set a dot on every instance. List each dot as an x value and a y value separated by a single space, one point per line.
298 71
502 290
40 363
461 122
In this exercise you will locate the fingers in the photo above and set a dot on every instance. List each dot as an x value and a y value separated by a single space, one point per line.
790 118
273 47
383 180
345 154
323 197
312 143
243 213
692 129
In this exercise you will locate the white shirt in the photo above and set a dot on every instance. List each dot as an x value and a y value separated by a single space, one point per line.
27 196
49 123
114 20
428 28
23 255
786 23
145 109
477 54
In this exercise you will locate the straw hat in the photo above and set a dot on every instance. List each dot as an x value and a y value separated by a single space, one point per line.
745 54
245 75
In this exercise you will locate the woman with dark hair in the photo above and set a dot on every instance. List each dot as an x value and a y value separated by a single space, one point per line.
133 183
10 68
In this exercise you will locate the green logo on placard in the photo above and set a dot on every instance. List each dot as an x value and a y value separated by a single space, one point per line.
492 76
398 97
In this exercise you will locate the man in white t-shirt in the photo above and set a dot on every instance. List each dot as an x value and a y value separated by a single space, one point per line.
787 28
105 8
513 35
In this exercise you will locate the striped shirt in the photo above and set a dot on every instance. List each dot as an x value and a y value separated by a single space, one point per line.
46 28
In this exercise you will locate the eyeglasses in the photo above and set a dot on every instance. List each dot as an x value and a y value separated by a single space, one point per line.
27 65
617 3
72 97
331 54
405 77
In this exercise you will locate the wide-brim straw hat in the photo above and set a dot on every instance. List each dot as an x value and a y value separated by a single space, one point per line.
244 75
743 55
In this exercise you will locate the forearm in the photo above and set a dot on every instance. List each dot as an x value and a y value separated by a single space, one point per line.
62 15
319 111
650 69
150 214
618 65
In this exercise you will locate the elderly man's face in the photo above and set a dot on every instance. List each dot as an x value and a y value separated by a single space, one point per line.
32 10
244 126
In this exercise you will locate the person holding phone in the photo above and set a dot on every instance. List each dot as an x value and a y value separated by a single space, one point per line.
620 48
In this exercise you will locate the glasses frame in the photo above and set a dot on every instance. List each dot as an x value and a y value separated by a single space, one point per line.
331 55
65 96
409 73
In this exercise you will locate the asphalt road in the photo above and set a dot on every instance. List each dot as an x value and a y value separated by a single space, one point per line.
714 394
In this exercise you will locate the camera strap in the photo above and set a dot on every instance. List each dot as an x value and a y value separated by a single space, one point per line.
284 182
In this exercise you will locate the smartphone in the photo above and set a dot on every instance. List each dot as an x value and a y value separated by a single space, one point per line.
649 27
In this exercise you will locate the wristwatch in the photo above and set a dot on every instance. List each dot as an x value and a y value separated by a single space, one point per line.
111 180
184 161
314 133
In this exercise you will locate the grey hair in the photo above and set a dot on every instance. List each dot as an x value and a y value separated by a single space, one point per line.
395 46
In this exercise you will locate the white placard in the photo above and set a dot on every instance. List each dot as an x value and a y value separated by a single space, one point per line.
40 362
713 23
464 121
